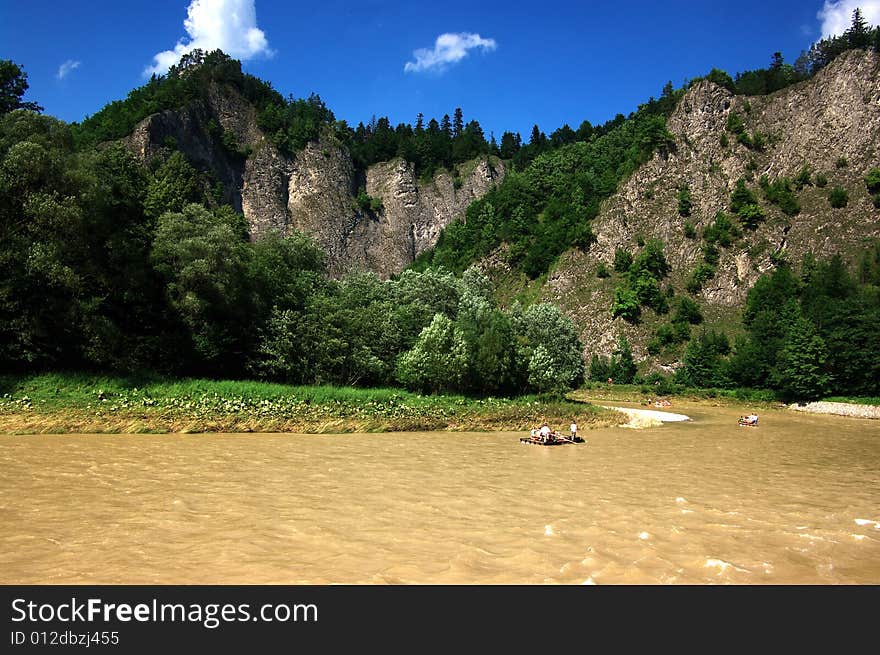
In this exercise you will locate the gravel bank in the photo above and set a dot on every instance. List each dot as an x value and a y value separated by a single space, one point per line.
647 418
842 409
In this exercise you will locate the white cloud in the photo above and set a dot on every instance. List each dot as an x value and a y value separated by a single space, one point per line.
66 67
836 15
448 49
230 25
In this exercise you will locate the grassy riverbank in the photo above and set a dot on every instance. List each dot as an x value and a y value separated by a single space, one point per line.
78 403
639 393
746 399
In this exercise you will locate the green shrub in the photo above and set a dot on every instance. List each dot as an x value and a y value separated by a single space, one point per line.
602 270
821 180
724 140
735 124
690 232
872 180
780 194
722 230
759 141
838 198
687 312
802 179
841 162
702 274
711 254
623 259
741 196
626 304
750 216
368 203
685 202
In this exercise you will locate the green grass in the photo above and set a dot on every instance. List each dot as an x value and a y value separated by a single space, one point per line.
76 402
639 392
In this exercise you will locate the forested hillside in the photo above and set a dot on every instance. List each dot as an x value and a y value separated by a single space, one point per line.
724 234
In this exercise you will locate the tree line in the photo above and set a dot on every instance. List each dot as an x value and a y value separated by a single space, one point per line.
779 74
111 264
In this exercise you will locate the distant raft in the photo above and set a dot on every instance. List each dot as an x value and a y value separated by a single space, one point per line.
555 439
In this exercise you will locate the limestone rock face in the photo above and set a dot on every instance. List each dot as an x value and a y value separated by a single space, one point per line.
315 191
830 123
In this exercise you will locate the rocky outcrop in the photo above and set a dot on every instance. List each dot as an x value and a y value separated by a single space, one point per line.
315 191
830 123
322 188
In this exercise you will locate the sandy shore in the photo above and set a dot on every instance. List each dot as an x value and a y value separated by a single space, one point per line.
647 418
841 409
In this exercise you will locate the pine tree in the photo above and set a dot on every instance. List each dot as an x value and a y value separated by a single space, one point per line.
446 126
801 373
858 34
458 123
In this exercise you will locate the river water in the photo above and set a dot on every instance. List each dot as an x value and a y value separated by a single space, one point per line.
796 500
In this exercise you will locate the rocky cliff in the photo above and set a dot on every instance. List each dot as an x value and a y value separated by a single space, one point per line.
316 190
830 123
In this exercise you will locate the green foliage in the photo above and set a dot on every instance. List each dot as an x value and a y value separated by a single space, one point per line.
13 85
821 180
779 193
294 123
687 311
556 363
841 162
545 207
690 232
838 197
626 304
703 361
438 360
722 231
872 180
723 140
777 76
367 203
721 78
600 368
685 202
622 369
802 179
203 259
735 124
651 260
702 274
188 81
174 185
602 271
750 216
623 259
642 285
801 372
741 196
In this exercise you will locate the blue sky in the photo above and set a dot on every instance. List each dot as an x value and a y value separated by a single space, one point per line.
544 63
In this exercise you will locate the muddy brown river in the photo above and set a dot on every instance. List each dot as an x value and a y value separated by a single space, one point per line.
796 500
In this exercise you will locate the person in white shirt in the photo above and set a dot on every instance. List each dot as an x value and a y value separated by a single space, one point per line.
574 431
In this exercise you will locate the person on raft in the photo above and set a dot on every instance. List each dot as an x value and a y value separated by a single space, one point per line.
545 432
